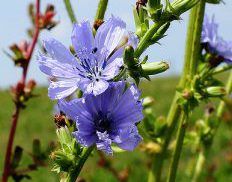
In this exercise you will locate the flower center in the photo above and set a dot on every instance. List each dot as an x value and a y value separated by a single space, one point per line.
102 123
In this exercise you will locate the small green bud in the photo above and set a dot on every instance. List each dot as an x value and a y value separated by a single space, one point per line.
64 136
154 68
216 91
61 161
150 147
36 148
154 7
148 102
17 156
141 22
128 57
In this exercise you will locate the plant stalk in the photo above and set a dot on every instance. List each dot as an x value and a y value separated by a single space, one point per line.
101 9
73 175
177 153
15 116
189 70
70 12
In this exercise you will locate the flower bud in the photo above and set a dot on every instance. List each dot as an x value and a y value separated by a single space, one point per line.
141 18
18 93
20 52
64 136
62 161
128 57
216 91
131 63
154 68
29 88
148 102
46 20
150 147
154 8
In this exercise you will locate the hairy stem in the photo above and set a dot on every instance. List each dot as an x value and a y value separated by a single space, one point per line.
15 116
69 9
72 176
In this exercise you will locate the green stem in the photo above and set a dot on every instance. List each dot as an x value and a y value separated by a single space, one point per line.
102 6
69 9
144 42
189 70
72 176
178 149
199 12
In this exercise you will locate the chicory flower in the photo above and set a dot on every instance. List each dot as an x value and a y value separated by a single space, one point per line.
97 60
110 117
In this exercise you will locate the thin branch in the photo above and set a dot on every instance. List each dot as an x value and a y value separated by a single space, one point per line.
15 116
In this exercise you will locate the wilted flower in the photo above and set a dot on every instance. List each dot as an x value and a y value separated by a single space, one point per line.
97 60
215 45
46 19
110 117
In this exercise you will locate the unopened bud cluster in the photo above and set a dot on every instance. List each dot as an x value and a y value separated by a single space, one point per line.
22 93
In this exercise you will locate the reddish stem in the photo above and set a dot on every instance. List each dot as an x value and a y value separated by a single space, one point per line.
15 116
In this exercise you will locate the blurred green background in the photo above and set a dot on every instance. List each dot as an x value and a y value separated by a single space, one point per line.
37 122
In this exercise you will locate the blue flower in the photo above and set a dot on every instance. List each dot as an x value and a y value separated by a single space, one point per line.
107 118
96 62
215 44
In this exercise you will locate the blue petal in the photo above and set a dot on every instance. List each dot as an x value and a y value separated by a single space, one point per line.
209 31
82 37
59 89
97 87
128 138
111 70
62 66
110 34
85 138
104 143
126 113
58 52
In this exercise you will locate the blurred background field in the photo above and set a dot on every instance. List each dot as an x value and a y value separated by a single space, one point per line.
35 122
